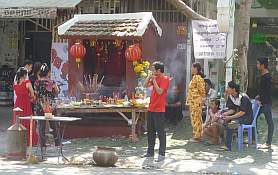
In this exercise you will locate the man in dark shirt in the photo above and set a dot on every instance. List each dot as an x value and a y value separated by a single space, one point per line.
264 98
239 110
174 106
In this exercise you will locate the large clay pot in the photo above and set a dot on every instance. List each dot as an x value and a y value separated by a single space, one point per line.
105 156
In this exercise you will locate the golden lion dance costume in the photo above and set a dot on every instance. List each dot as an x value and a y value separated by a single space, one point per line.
196 94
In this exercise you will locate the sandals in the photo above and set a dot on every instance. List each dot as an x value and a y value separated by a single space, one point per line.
223 148
207 143
265 146
193 140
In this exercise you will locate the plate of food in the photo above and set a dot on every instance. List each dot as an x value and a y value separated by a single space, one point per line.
48 115
76 103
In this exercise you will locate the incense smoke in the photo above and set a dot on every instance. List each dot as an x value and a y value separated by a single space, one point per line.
174 61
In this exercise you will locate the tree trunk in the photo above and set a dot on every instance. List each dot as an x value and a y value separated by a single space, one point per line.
242 37
186 10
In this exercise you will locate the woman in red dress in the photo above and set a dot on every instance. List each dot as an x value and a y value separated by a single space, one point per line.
24 92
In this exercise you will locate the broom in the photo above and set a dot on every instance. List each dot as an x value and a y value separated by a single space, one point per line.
32 158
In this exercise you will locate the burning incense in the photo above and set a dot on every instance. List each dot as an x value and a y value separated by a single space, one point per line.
95 82
86 82
81 86
90 79
91 83
101 81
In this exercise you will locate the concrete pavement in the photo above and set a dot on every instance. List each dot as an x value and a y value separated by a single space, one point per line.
5 122
182 157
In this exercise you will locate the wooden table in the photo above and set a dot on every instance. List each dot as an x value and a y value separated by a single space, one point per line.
135 113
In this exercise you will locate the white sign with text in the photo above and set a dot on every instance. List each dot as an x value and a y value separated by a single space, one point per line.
208 42
50 13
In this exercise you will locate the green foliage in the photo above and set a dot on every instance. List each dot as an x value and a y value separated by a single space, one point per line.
258 38
269 4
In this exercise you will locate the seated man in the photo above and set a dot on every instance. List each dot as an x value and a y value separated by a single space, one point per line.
239 112
174 106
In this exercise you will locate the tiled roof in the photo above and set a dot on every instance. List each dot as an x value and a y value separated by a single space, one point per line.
125 27
119 25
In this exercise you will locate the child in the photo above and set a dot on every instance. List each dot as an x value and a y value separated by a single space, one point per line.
211 128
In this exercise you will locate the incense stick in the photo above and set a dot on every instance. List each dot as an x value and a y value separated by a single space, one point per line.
86 84
81 86
90 79
101 80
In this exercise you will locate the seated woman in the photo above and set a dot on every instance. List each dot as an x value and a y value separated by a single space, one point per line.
174 106
211 128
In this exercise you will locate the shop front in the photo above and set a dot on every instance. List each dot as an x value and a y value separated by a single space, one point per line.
27 30
263 43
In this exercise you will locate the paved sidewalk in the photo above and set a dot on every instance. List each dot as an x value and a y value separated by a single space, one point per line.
5 122
182 157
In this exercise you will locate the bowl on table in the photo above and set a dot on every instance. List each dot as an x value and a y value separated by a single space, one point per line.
48 115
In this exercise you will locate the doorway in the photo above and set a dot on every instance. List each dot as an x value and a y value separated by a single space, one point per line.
38 46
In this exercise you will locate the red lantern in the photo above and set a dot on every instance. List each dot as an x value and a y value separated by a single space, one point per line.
133 53
78 51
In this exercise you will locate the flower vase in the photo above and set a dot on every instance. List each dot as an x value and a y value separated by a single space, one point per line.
140 89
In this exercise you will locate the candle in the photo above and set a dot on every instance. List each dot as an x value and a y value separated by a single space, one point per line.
132 96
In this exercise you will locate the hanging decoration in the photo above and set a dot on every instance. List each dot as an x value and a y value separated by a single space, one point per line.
93 43
118 43
78 51
99 49
102 51
105 55
133 53
120 50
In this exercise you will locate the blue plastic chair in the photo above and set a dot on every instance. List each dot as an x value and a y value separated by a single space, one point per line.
241 128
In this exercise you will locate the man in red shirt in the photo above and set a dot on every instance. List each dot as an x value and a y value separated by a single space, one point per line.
156 111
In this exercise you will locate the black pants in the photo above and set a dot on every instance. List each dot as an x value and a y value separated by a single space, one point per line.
204 114
266 110
229 132
155 124
173 114
56 134
38 110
